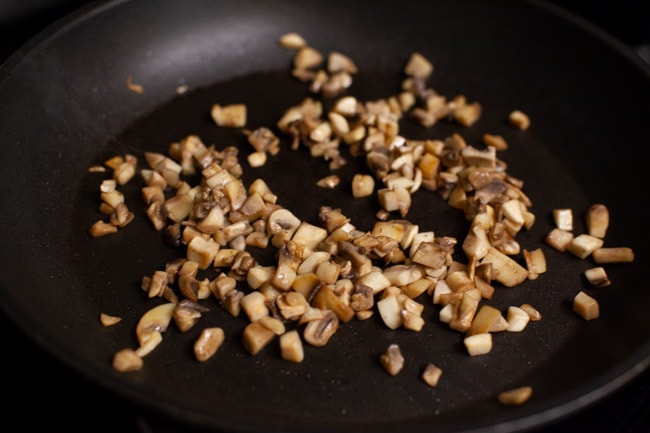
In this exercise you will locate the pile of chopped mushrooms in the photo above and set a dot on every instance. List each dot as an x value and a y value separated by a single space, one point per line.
334 273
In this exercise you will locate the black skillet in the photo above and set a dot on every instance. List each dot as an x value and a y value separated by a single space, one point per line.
65 107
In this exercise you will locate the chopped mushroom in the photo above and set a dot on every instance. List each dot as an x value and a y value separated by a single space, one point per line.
291 346
418 66
517 319
583 245
126 360
532 312
597 220
515 396
392 360
319 331
586 306
363 185
563 219
101 228
559 239
109 320
431 375
230 115
292 40
597 277
535 262
613 255
333 272
329 182
208 342
154 320
519 119
134 87
478 344
257 337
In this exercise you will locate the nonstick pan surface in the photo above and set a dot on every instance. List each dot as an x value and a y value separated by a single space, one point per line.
65 107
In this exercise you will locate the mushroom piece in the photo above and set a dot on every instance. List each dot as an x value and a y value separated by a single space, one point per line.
563 219
613 255
101 228
187 313
282 220
292 40
318 332
586 306
207 344
517 319
263 140
291 348
535 262
510 273
392 360
515 396
231 115
597 220
478 344
583 245
487 319
418 66
597 277
326 299
154 320
431 375
126 360
519 119
390 311
109 320
254 305
257 337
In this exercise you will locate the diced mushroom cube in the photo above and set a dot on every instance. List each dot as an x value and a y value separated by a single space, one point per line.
254 305
109 320
390 311
126 360
431 375
510 273
532 312
418 66
478 344
363 185
597 220
231 116
291 348
392 360
519 120
101 228
257 337
208 342
486 319
292 40
517 319
597 277
515 396
202 251
613 255
559 239
563 219
586 306
583 245
535 262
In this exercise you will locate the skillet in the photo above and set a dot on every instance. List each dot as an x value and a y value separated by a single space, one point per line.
65 107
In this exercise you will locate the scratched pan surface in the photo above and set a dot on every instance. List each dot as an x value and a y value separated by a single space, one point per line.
65 107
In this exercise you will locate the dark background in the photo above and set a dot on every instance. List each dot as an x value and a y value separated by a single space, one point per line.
46 396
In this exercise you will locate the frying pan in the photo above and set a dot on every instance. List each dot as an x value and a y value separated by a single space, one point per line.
66 108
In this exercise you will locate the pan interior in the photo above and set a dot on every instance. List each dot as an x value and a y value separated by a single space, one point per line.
565 159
